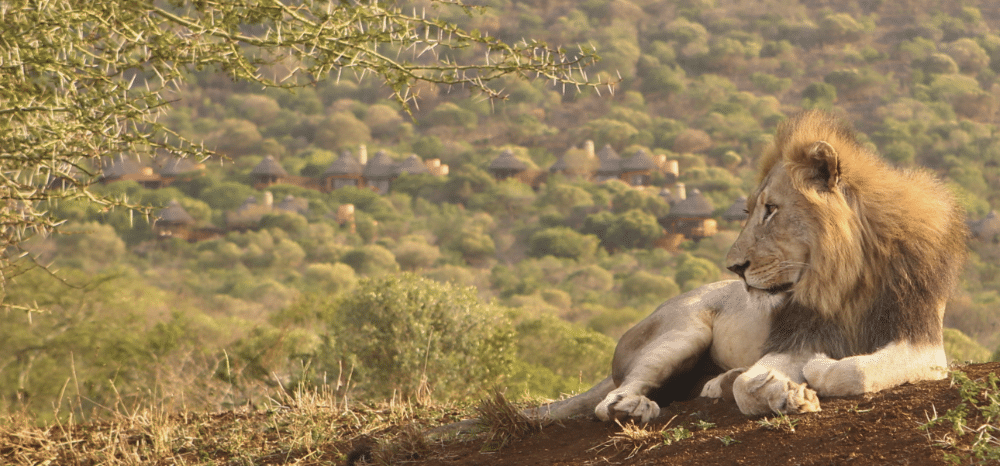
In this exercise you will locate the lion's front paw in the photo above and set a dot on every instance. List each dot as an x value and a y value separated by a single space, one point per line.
798 399
622 405
769 391
722 385
835 378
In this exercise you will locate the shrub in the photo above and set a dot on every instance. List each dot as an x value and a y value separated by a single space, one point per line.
404 334
237 137
633 229
341 130
414 254
371 260
693 272
562 242
819 94
644 286
558 357
260 109
331 278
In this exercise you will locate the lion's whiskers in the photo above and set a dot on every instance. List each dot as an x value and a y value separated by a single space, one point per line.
789 265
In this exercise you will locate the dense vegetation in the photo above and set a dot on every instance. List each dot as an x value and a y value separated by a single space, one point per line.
498 283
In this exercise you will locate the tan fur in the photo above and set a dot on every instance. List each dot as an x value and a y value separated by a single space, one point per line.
846 265
858 232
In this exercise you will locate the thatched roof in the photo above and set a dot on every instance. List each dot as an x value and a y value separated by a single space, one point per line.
506 161
737 212
174 214
174 166
640 161
560 165
412 165
695 206
611 163
119 166
346 164
269 167
381 166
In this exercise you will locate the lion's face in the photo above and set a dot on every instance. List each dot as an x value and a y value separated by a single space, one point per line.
772 252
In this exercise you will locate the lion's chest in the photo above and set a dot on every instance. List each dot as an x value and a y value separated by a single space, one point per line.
739 332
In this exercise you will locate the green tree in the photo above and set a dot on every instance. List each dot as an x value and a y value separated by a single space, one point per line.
693 272
561 242
633 229
93 80
341 130
644 287
556 357
371 259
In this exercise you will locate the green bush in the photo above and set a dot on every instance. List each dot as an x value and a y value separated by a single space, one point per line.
341 130
330 278
557 357
693 272
633 229
645 288
371 259
561 242
404 334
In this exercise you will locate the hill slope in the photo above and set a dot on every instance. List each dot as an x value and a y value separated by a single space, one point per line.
882 428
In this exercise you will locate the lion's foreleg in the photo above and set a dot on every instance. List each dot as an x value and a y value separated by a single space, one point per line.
775 384
672 352
578 405
894 364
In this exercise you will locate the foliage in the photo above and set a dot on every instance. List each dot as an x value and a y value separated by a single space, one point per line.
216 310
90 84
962 349
556 357
979 404
561 242
693 272
406 335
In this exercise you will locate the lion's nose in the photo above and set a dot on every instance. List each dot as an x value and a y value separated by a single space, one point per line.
738 269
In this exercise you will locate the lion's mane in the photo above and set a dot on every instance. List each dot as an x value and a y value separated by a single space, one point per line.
887 247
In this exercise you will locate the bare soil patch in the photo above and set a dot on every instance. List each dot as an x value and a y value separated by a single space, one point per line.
880 428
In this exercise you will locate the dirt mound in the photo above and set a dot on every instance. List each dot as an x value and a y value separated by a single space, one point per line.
880 428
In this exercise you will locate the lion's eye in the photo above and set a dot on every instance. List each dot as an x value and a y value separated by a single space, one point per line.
769 210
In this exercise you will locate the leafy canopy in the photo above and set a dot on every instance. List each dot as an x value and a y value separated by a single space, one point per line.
82 82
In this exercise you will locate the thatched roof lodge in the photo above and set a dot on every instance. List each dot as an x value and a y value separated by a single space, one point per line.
506 165
379 172
343 172
691 217
173 221
267 173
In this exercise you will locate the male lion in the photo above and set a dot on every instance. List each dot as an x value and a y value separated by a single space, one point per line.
846 265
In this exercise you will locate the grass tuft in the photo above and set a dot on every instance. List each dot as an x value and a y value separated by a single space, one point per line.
972 430
635 438
779 422
503 422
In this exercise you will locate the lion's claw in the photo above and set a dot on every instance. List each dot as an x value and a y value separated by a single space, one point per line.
625 406
799 399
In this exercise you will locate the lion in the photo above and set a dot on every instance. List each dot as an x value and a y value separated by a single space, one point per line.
845 265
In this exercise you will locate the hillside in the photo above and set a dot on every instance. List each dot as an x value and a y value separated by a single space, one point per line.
273 282
889 427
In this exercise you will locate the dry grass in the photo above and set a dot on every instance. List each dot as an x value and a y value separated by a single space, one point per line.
302 428
503 421
635 438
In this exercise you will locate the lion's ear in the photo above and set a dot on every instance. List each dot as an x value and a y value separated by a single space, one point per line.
825 163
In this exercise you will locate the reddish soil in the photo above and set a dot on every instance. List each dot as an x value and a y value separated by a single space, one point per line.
880 428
